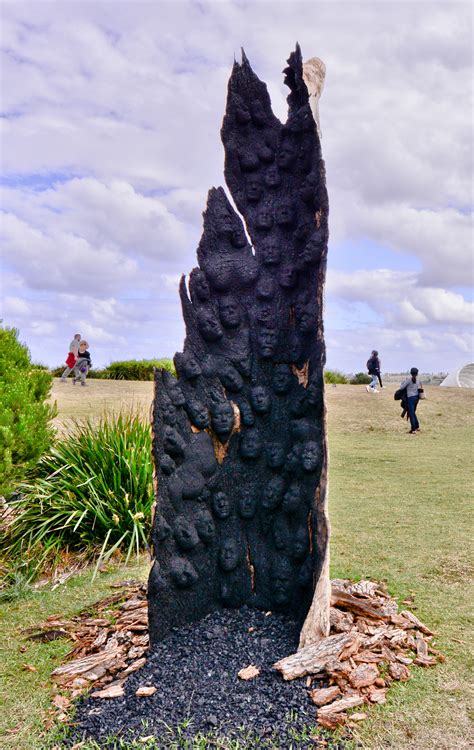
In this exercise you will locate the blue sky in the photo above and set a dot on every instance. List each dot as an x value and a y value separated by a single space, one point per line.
110 141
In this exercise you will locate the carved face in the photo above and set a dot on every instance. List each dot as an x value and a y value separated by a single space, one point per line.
294 349
286 155
176 394
300 544
183 573
281 379
198 285
288 276
246 414
248 161
313 393
229 312
259 116
273 493
311 251
264 219
162 529
192 482
265 288
266 315
272 177
222 419
307 320
229 555
189 366
250 444
281 534
282 582
253 189
208 326
247 505
267 339
292 498
167 465
205 526
266 154
220 505
292 463
197 413
260 399
310 456
285 214
224 222
173 443
185 533
275 455
231 378
271 253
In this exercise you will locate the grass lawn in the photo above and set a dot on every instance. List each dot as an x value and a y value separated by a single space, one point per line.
400 512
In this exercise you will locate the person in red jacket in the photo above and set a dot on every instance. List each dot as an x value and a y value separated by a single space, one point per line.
71 357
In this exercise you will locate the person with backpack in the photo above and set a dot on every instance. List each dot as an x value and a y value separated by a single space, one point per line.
373 368
413 388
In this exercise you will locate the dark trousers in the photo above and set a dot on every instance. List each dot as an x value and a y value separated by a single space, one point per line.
379 377
412 404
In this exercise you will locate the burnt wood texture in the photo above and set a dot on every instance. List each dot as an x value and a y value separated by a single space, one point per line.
239 438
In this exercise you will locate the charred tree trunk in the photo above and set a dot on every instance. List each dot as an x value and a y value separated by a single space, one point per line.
239 440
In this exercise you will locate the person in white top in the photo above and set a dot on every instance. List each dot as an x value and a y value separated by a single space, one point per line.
413 386
72 356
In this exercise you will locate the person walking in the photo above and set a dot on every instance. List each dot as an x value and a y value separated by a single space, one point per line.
83 364
413 386
71 357
373 368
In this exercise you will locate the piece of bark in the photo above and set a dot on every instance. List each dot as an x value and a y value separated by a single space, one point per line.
353 604
337 706
421 647
358 716
351 648
379 682
399 672
364 675
112 691
313 659
416 622
331 721
378 696
324 695
340 622
138 664
369 657
248 673
145 691
425 661
79 666
403 659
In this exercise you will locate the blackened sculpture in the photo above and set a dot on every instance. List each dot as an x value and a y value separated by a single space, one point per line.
239 441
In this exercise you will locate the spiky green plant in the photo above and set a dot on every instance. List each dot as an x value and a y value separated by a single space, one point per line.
93 489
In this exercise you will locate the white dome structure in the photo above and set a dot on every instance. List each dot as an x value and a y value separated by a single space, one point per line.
463 377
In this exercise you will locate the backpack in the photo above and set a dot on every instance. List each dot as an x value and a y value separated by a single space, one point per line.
400 394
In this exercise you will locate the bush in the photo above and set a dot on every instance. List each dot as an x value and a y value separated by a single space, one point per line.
334 376
25 429
132 369
360 378
95 488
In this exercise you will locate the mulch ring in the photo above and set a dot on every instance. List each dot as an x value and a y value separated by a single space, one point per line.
225 672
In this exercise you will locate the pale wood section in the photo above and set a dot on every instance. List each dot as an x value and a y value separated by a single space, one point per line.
313 659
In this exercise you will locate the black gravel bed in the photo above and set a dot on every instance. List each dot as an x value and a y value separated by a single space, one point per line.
195 670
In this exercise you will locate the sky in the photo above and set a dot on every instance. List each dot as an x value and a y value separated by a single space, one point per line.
109 141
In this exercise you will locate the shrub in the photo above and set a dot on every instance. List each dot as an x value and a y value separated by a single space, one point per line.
94 488
360 378
334 376
25 429
132 369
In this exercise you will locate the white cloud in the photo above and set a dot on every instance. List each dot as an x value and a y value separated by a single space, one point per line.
114 111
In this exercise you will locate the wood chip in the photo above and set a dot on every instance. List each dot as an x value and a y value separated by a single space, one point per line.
353 604
248 673
364 675
399 672
324 695
145 691
28 668
313 659
342 704
358 716
416 622
331 721
112 691
378 696
60 701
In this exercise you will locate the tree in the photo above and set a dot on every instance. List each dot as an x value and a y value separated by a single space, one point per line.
25 418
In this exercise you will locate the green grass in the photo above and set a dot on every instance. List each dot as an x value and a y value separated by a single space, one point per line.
399 509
